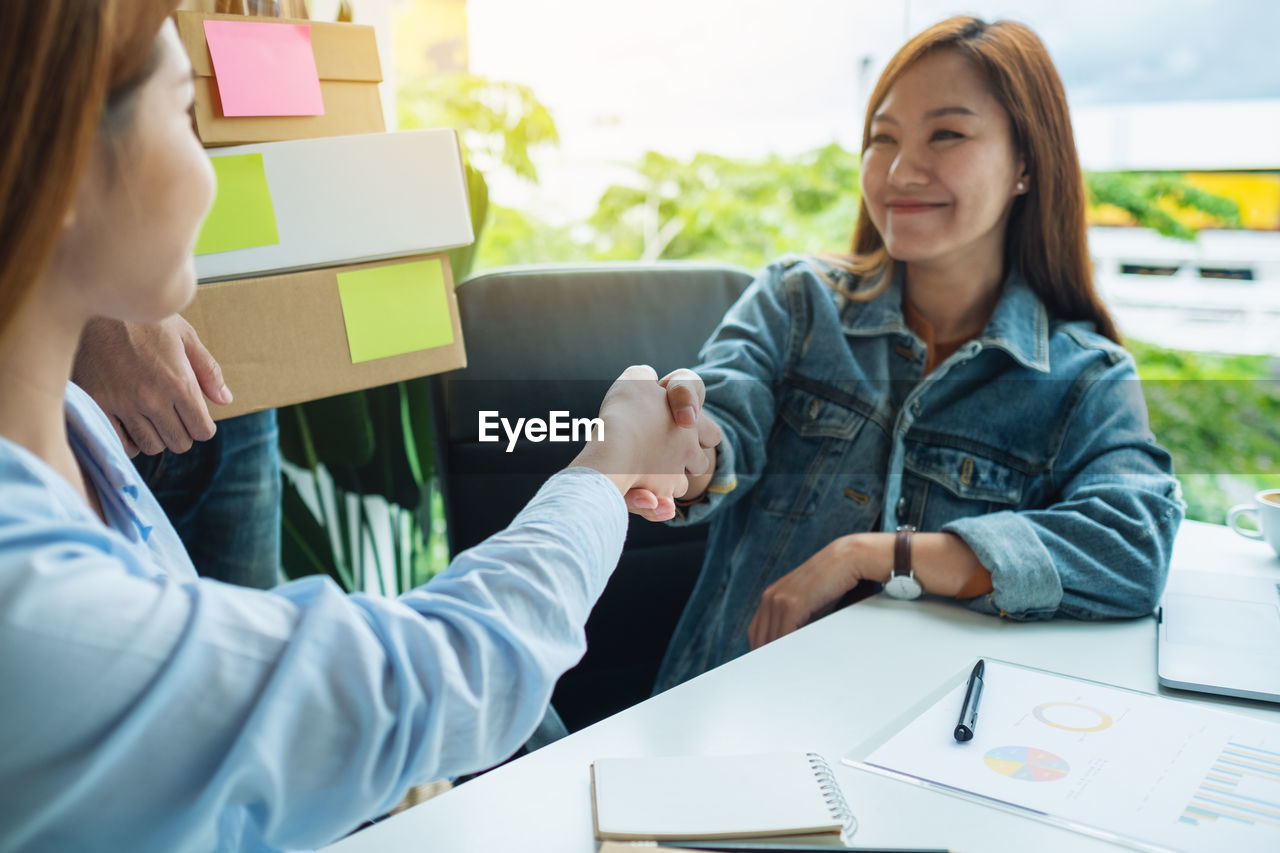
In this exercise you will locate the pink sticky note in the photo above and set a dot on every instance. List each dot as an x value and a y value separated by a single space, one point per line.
264 69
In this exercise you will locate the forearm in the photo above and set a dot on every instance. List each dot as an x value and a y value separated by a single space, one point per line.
1097 559
326 706
943 563
522 597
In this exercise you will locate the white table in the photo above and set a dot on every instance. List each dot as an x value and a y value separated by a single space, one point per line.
824 688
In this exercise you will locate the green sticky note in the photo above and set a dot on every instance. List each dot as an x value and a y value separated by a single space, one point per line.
395 309
242 216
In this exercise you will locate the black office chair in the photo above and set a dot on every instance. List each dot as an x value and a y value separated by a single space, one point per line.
542 339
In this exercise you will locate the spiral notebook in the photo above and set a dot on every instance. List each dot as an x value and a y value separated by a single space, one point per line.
689 798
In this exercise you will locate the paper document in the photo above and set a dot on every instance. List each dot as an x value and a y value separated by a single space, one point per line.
1131 766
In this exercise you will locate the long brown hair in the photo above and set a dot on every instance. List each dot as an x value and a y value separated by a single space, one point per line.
67 70
1046 237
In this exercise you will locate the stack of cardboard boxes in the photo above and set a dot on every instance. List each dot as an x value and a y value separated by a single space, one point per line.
320 263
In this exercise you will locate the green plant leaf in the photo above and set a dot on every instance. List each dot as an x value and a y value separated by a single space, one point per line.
385 470
305 545
340 428
418 428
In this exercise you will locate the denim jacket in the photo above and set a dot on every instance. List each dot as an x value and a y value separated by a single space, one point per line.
1030 442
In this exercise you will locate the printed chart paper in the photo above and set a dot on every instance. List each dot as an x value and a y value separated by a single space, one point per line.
395 309
264 69
1154 770
242 215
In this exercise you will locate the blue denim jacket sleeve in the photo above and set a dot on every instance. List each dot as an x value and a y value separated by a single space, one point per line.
1102 548
740 365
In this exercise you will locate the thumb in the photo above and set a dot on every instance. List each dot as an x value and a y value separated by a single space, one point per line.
205 366
685 393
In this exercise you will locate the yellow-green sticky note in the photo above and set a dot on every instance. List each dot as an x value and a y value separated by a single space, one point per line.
395 309
242 216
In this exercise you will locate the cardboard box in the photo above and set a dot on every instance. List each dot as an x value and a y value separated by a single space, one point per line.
346 59
340 200
287 339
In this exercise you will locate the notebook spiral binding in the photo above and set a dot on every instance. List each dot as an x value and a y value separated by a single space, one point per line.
834 797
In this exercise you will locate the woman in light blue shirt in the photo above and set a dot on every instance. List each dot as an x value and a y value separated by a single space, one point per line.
142 708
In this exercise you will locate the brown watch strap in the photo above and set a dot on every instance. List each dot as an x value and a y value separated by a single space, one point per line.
902 551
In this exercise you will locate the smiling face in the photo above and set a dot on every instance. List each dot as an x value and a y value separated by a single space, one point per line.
128 243
941 173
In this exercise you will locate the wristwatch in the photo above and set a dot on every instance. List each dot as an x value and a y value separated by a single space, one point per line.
903 584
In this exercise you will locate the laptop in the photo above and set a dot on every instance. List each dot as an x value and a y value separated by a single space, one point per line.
1220 633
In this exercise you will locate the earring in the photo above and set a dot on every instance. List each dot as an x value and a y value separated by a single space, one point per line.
1021 186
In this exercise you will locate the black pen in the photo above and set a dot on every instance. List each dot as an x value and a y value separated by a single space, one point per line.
754 847
969 710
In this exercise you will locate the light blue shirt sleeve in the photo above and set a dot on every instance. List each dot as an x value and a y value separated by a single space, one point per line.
149 710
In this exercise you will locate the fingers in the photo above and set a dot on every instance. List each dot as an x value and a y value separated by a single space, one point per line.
129 447
640 500
685 395
784 608
709 432
770 622
172 421
143 434
652 443
200 376
649 506
639 371
206 368
152 379
687 378
172 429
753 630
699 461
759 632
778 620
786 618
195 421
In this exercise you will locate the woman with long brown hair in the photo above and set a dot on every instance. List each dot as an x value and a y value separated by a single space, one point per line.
947 409
145 708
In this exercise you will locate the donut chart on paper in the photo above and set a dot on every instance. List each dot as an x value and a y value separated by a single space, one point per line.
1072 716
1026 763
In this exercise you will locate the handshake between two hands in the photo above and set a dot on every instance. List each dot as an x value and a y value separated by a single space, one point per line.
151 380
659 444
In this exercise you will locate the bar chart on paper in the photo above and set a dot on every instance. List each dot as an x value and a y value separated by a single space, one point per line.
1242 786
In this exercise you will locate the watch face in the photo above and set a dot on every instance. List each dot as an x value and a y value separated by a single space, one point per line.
903 586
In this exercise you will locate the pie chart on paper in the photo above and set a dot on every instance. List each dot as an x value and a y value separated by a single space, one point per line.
1026 763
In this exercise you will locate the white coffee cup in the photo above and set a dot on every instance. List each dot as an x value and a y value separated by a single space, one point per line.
1265 510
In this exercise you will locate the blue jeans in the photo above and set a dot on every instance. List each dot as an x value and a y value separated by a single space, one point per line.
223 498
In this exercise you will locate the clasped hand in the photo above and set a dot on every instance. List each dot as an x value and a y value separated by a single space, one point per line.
151 379
803 594
656 437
